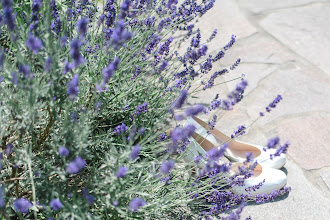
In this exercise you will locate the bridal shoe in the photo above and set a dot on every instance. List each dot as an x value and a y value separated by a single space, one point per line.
237 150
267 178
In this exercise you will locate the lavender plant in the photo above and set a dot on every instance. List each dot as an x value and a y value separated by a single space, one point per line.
88 90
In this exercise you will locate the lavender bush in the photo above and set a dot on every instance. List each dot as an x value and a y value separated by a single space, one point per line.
88 90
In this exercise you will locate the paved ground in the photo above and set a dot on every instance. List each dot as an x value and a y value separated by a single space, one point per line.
284 46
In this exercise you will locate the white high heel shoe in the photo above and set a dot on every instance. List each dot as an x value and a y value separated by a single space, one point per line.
271 179
236 151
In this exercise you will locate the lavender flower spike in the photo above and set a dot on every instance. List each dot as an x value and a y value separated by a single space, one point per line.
167 166
34 44
56 204
136 203
76 165
179 102
22 205
195 110
73 87
82 26
135 152
75 52
121 172
63 151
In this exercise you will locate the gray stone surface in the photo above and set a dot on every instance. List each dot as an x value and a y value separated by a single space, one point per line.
305 201
305 30
258 6
309 138
227 18
301 91
325 175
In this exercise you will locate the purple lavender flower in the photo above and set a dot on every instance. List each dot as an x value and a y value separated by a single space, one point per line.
25 69
115 203
63 151
76 165
56 204
120 35
167 166
78 59
236 213
67 67
109 70
136 203
273 104
2 202
149 21
63 41
73 87
162 137
22 205
153 41
216 153
34 44
165 47
210 83
56 24
120 129
171 2
219 55
142 130
137 72
121 172
140 109
273 142
1 79
135 152
14 78
235 64
255 187
48 64
101 19
9 149
163 66
2 58
124 8
231 43
281 150
235 96
195 110
195 41
82 26
249 157
207 65
214 33
90 199
8 16
180 101
182 134
240 131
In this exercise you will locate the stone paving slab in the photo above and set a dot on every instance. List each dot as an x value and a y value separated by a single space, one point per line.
258 6
227 18
305 30
301 92
309 138
325 175
305 201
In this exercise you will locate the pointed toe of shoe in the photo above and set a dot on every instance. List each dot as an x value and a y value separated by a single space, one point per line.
274 180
